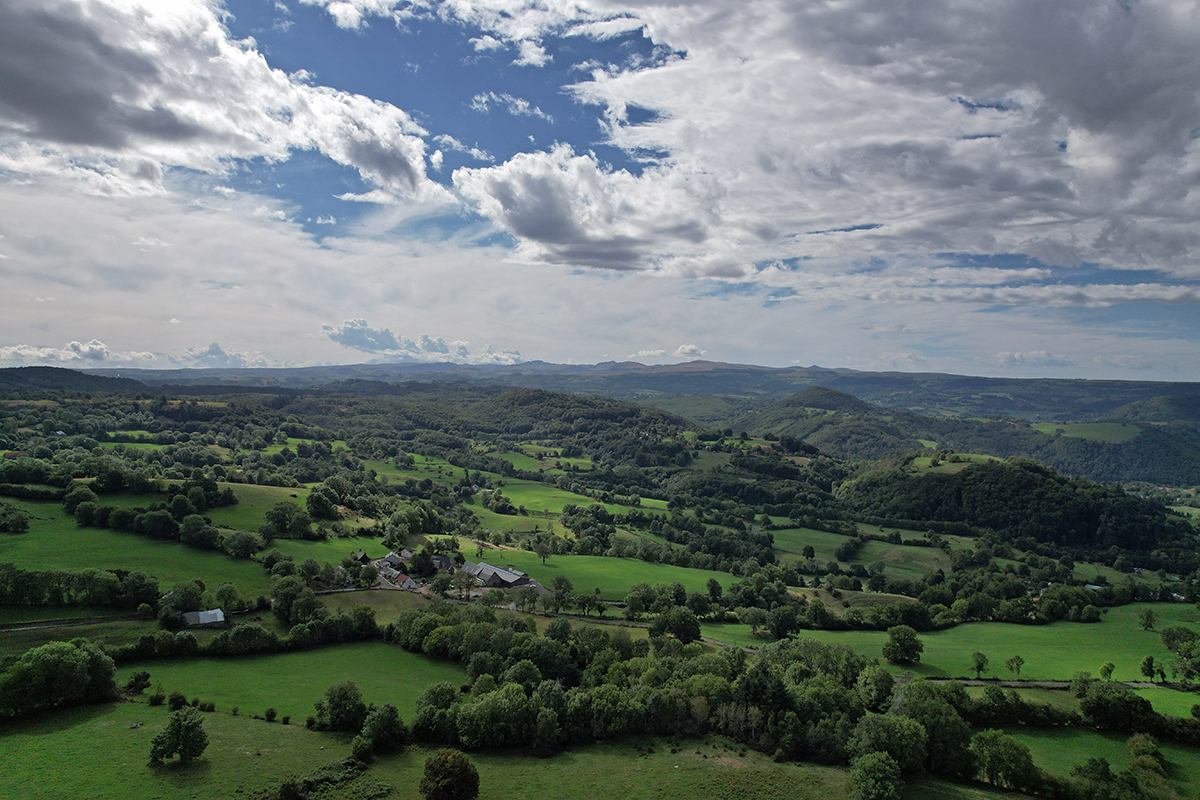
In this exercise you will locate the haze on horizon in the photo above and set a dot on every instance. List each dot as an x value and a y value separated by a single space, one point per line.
1009 188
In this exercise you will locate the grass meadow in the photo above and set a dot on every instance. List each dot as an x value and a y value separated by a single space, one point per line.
613 576
1051 652
1105 432
292 682
253 502
1058 750
102 752
55 541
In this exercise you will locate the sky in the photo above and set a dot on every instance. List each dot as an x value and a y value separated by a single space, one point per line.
1007 188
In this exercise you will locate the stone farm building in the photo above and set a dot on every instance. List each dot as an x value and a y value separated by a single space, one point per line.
496 577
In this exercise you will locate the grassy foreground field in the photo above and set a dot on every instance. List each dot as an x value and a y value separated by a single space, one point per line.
292 682
97 752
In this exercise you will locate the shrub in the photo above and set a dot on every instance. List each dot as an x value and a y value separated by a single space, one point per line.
269 714
176 700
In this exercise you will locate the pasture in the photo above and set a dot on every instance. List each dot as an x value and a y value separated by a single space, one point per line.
791 542
1051 652
1058 750
711 768
613 576
330 550
102 752
253 502
55 541
1104 432
292 682
387 604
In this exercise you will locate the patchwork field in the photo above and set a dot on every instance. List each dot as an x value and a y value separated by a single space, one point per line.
1106 432
292 682
1058 750
613 576
55 541
253 502
102 752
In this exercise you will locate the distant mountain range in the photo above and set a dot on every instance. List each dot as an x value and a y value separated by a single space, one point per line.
1135 431
713 392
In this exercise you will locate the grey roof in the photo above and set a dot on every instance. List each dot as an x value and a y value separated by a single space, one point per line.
484 572
214 616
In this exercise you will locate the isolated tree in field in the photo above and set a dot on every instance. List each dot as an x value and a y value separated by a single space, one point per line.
449 775
1148 667
342 709
562 587
542 550
1148 618
808 552
979 663
1014 665
902 646
1106 670
184 736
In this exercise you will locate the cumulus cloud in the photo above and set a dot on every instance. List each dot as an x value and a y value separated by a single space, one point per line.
647 353
688 351
1035 358
108 93
216 357
389 347
568 208
73 354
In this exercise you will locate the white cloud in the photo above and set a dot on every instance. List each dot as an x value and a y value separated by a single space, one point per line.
531 54
516 106
1038 358
216 357
487 43
73 354
647 354
109 93
688 351
389 347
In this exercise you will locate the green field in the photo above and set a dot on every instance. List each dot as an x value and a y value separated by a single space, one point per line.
253 502
902 561
15 614
387 604
1051 652
54 541
1106 432
792 541
1058 750
712 768
292 442
613 576
101 752
97 752
1187 511
292 682
330 550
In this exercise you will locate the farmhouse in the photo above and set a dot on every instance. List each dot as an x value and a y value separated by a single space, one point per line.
443 563
488 575
213 618
392 560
